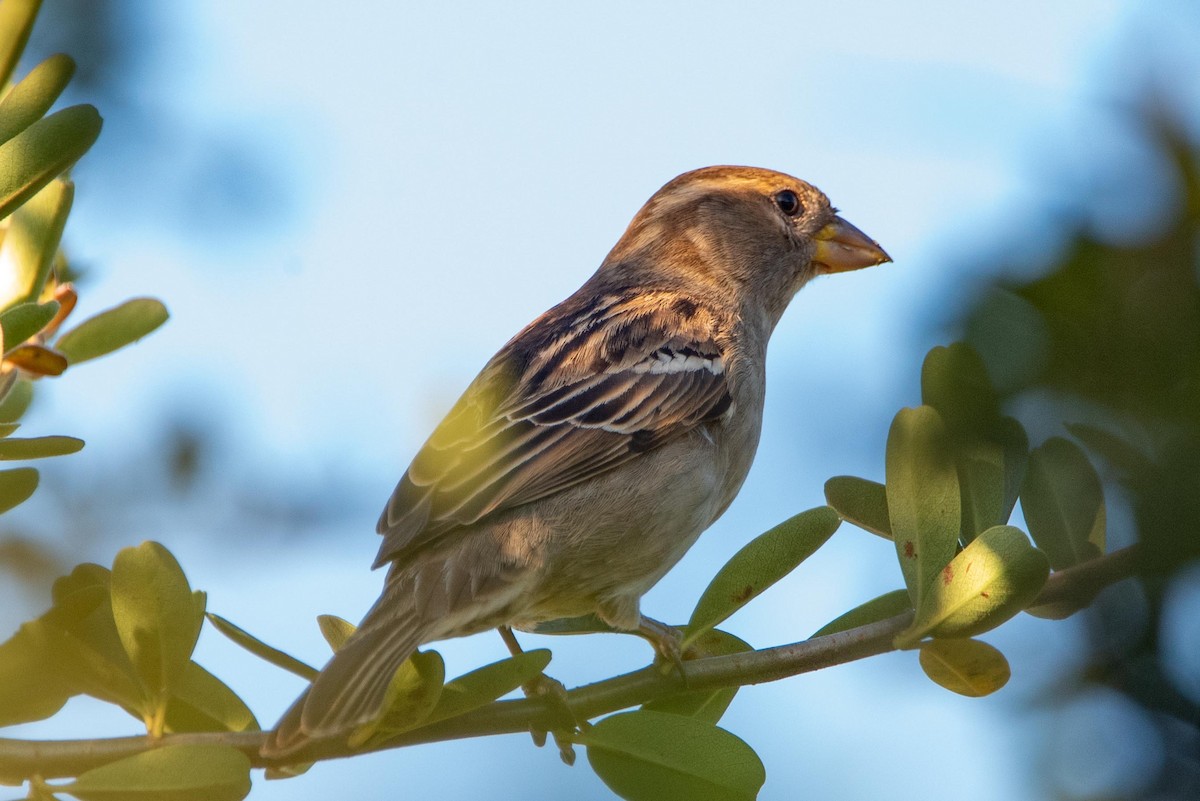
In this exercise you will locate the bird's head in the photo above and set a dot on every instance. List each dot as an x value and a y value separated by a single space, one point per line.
754 234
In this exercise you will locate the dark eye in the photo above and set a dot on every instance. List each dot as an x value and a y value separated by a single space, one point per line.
788 203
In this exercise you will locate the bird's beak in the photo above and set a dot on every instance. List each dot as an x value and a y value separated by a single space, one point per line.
842 247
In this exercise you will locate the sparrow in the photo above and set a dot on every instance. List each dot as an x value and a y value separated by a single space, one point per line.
595 447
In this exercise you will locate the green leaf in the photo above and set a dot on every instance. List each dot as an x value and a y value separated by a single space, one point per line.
38 447
112 329
261 649
172 773
967 667
860 502
887 605
16 21
16 486
335 630
762 562
662 757
706 705
955 382
996 575
1064 503
411 697
486 684
24 320
990 472
26 102
43 151
157 617
923 497
16 401
202 702
30 243
30 688
87 652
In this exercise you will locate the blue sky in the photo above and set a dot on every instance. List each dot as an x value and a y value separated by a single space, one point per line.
422 182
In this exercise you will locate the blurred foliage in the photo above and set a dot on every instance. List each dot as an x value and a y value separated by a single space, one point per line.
1108 339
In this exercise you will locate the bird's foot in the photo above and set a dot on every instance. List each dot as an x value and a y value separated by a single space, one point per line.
553 695
667 642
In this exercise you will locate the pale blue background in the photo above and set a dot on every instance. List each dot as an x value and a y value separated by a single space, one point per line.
349 207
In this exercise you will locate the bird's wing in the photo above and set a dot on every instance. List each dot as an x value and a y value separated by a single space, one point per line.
586 387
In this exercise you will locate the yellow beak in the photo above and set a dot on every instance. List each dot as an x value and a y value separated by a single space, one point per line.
842 247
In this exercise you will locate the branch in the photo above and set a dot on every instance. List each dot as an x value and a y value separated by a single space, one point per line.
20 759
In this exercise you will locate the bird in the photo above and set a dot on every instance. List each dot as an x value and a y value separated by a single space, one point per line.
593 449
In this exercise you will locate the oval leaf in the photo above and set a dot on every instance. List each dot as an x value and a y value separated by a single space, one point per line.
30 688
860 502
887 605
37 155
261 649
26 102
16 21
38 447
30 244
954 381
202 702
967 667
112 329
1064 503
994 577
16 486
480 687
173 773
16 400
661 757
156 615
762 562
923 497
706 705
24 320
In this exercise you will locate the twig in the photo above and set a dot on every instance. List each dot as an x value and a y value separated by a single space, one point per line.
20 759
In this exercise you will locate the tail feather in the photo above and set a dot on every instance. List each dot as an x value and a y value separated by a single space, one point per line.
351 689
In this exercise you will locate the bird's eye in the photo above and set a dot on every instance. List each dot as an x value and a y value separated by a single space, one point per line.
789 203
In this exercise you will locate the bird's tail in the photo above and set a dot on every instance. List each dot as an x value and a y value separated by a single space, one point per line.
351 689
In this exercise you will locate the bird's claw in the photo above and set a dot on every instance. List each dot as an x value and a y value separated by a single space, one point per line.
667 642
553 695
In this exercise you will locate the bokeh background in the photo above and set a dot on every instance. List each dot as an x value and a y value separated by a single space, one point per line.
349 207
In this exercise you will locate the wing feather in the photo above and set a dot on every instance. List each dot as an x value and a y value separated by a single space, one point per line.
586 387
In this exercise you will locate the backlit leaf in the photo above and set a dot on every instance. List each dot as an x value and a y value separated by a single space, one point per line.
37 359
202 702
156 615
16 21
30 243
996 575
967 667
30 689
335 630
